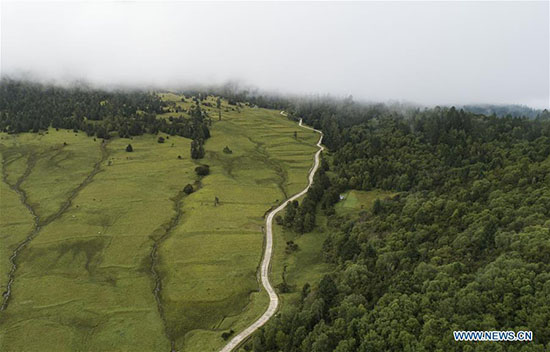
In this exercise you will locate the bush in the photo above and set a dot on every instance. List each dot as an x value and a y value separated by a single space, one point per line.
129 148
226 150
202 170
291 247
188 189
227 334
283 287
160 140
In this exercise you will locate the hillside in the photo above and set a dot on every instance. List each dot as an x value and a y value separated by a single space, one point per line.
114 254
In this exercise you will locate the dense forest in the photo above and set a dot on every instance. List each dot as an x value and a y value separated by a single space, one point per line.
28 106
465 245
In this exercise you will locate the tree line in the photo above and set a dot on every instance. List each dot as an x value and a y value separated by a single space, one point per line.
33 107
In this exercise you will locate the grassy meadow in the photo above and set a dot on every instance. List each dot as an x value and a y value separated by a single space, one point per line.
305 265
210 263
86 280
356 201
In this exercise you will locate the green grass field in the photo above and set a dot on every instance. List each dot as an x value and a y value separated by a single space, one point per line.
86 280
305 265
356 201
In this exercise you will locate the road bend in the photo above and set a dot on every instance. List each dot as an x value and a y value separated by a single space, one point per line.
266 261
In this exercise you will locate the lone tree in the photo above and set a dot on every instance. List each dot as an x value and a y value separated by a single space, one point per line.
188 189
216 201
197 149
160 140
219 103
377 206
129 148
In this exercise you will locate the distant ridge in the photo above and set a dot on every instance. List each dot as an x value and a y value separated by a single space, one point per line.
503 110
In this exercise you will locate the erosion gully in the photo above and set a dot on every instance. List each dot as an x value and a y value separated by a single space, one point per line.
38 222
157 279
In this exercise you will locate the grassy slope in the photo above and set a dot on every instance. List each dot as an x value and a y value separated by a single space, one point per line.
16 224
217 249
85 280
302 266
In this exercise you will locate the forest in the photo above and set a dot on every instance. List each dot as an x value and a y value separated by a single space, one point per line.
29 106
464 245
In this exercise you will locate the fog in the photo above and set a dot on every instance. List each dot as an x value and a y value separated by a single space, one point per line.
423 52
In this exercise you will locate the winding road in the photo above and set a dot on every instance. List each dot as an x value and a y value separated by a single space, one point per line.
266 261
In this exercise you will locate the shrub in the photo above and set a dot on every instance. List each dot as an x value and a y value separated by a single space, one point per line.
160 140
202 170
129 148
188 189
227 334
291 247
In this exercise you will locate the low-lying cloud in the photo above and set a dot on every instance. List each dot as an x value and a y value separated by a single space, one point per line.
424 52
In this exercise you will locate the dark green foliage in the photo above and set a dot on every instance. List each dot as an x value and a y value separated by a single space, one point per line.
160 140
301 217
377 207
202 170
464 246
227 334
197 149
26 107
291 247
129 148
226 150
188 189
283 287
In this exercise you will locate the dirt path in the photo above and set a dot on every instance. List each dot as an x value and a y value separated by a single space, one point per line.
266 261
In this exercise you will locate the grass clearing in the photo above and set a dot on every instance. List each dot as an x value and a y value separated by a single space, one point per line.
356 201
302 266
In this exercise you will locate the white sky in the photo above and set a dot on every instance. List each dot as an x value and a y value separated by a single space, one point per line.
424 52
